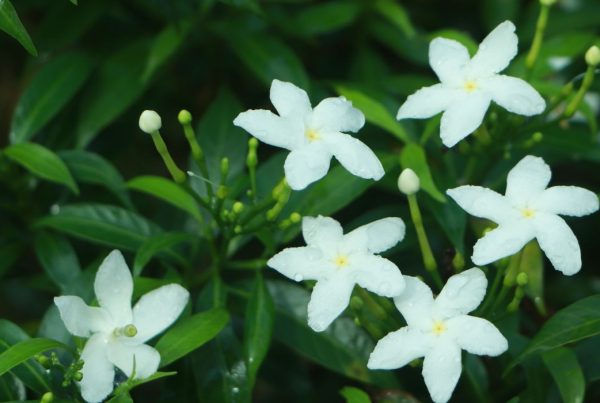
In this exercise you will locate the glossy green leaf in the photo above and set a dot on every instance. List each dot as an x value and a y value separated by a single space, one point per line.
413 157
396 14
189 334
155 245
451 218
567 373
53 86
354 395
165 45
375 113
11 24
102 224
325 17
167 191
41 162
25 350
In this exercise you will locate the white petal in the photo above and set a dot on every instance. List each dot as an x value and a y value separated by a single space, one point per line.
477 335
158 309
306 165
567 200
124 355
321 232
462 293
514 95
399 348
416 302
354 155
289 100
463 117
527 179
427 102
98 372
377 236
558 243
328 300
113 287
447 58
505 240
272 129
337 115
303 263
495 51
376 274
441 370
79 319
484 203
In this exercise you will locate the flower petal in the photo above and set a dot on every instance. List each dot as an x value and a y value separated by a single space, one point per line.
484 203
527 179
337 115
323 233
462 293
124 356
303 263
477 335
98 372
514 95
463 117
271 129
505 240
495 51
79 319
399 348
354 155
558 243
289 100
377 236
114 287
329 298
567 200
447 58
441 370
416 302
306 165
427 102
158 309
377 274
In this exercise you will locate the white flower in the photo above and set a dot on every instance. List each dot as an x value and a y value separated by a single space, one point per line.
312 135
117 332
528 211
150 122
438 330
468 85
339 261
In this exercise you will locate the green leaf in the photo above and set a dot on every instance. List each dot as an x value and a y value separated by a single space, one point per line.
258 327
567 373
11 24
156 245
325 17
168 191
102 224
451 218
354 395
578 321
49 91
375 112
397 15
189 334
25 350
165 45
413 157
41 162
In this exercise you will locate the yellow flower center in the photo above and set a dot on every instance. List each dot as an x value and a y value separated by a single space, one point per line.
312 135
341 261
470 85
439 327
528 213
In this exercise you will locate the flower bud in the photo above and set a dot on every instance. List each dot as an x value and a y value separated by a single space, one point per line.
150 122
47 397
78 376
522 279
184 117
547 2
592 56
237 207
408 182
295 217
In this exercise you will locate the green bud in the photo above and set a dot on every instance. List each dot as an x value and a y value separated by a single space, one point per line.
184 117
44 361
253 143
238 229
47 397
295 217
537 137
222 192
458 261
238 207
547 3
592 56
78 376
356 303
224 167
522 279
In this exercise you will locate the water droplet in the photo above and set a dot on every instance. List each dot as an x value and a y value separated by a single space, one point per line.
298 277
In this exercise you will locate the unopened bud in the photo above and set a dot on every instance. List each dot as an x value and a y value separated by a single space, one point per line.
592 56
238 229
295 217
184 117
522 279
150 122
237 207
408 182
537 137
44 361
356 303
47 397
547 2
253 143
78 376
224 167
222 192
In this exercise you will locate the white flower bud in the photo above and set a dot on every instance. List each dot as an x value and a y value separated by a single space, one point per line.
592 56
150 122
408 182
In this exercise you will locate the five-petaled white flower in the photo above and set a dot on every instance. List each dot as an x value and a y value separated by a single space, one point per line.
469 85
117 332
339 261
312 135
528 211
438 330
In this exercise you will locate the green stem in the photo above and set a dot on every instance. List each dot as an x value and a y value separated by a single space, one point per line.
177 174
588 79
197 155
540 27
509 279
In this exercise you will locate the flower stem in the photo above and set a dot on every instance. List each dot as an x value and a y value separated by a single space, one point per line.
588 79
177 174
540 27
197 155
